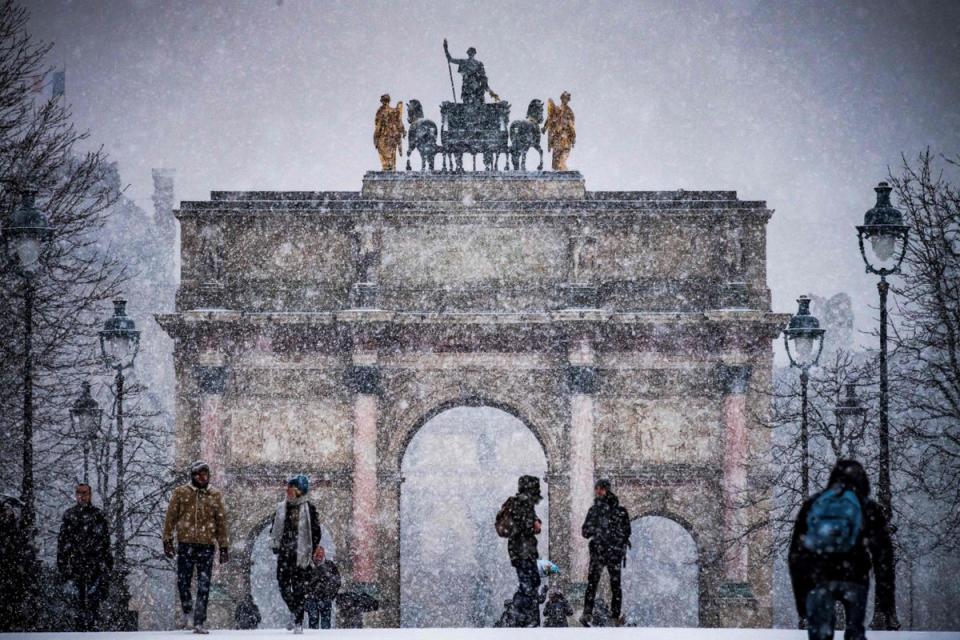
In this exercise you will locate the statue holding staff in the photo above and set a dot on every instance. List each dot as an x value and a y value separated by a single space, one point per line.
474 77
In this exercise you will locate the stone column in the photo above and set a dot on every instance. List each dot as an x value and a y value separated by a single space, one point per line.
365 381
735 603
582 382
735 452
211 380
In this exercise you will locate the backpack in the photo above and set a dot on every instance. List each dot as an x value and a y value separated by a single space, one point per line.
615 535
834 522
504 523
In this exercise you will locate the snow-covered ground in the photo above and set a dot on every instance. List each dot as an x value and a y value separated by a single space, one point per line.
498 634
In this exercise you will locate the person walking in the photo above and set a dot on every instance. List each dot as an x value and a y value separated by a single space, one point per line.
15 555
324 585
518 522
295 538
607 526
84 561
198 518
839 535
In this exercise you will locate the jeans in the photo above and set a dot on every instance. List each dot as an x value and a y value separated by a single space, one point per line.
821 610
190 556
525 599
87 592
293 582
318 611
593 581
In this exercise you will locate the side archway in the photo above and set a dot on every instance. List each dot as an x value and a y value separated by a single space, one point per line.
262 567
662 579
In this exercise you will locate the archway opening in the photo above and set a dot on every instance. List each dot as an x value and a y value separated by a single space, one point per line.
263 578
661 580
457 471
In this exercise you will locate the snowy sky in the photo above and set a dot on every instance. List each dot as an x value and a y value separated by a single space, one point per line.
803 105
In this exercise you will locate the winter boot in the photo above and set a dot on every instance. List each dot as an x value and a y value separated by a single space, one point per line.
185 622
199 628
585 620
298 629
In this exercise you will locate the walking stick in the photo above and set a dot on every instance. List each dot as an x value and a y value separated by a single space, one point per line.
450 71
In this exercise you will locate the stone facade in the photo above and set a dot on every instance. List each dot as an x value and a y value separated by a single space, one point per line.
630 331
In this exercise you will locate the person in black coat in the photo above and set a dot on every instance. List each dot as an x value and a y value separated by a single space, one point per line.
325 582
522 548
14 560
83 557
607 526
821 579
295 537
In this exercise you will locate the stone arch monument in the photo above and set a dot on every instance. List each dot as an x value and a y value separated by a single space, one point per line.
631 331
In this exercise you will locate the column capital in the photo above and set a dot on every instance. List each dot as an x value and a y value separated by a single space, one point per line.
364 378
580 379
734 378
210 378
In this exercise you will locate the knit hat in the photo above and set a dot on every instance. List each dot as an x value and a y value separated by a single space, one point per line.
301 482
199 466
602 483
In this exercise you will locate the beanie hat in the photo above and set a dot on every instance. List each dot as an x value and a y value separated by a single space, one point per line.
602 483
301 482
199 466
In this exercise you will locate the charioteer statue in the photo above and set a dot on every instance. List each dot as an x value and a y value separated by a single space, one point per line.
474 77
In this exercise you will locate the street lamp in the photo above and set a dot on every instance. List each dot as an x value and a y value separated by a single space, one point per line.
851 418
25 238
119 343
86 415
887 234
803 339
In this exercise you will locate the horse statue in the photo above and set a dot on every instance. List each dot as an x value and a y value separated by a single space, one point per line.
422 136
525 134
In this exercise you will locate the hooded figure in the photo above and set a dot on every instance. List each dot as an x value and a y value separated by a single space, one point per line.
839 570
84 558
295 538
197 517
522 547
607 526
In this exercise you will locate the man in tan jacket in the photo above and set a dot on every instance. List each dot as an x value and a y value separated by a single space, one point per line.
197 515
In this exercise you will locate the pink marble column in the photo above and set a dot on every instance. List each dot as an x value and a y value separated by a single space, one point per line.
366 410
211 380
582 384
736 450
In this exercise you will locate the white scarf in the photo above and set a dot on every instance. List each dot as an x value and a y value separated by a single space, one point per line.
304 530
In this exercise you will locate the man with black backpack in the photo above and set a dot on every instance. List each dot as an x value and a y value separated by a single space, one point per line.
518 522
839 535
607 526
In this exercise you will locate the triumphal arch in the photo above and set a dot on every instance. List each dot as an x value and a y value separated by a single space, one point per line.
630 331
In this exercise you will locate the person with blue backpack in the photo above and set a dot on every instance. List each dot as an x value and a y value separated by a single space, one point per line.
839 536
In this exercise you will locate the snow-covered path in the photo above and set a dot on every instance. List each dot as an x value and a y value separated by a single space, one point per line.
494 634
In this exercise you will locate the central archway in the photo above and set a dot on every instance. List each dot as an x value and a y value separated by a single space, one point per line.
457 470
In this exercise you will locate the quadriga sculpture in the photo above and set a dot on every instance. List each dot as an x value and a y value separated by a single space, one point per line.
524 135
422 136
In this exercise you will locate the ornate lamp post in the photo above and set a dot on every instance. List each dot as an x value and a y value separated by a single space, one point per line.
119 343
851 416
887 234
86 415
803 339
25 238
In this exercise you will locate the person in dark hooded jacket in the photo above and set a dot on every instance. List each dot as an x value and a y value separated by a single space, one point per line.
83 557
607 526
522 547
822 578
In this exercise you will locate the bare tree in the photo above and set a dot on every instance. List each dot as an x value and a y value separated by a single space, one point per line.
927 345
